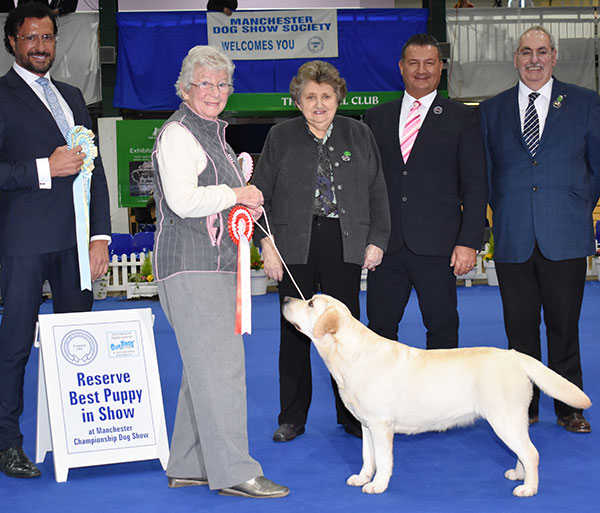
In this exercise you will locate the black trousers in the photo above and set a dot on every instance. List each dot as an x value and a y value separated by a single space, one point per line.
21 280
326 271
388 292
557 288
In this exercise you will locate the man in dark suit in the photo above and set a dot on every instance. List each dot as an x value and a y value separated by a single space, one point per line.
37 216
434 166
542 138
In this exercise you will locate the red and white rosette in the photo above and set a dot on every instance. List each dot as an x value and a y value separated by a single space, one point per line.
241 226
247 165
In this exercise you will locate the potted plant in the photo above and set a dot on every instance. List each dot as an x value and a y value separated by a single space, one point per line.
100 286
142 284
258 279
488 262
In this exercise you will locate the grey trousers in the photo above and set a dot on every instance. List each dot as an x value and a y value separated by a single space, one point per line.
210 438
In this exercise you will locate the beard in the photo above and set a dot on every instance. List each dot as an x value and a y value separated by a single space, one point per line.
28 62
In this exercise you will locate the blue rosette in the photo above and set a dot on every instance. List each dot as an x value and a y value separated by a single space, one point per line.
84 137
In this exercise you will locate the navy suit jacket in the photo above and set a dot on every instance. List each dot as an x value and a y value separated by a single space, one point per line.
548 198
438 199
34 220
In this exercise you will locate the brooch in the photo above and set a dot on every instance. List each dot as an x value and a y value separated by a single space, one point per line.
557 104
346 156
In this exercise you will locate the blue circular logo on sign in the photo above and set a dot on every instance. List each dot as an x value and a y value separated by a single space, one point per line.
315 44
79 347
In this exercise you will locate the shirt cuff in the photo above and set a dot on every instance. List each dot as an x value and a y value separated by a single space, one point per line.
101 237
44 177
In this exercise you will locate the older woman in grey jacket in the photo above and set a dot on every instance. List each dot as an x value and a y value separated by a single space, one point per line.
326 200
198 180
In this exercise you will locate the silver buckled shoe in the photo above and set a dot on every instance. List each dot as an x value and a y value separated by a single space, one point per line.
179 482
257 488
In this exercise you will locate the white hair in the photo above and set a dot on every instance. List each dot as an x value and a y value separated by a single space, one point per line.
202 57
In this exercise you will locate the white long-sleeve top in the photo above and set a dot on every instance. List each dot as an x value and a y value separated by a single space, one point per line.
181 159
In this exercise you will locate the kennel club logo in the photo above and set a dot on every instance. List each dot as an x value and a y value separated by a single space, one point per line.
79 347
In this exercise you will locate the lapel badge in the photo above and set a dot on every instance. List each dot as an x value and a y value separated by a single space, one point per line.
346 156
438 109
557 104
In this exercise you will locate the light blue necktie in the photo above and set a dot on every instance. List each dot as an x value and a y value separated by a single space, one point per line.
55 108
81 192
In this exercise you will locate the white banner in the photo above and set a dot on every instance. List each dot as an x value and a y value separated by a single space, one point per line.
262 35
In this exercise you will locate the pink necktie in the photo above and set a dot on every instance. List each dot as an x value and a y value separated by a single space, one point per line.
411 129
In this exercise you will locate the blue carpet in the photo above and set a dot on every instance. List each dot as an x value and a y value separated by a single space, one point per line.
457 471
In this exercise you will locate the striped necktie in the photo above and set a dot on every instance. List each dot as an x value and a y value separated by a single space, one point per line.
411 129
531 126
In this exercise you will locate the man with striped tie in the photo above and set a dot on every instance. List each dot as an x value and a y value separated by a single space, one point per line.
542 140
434 166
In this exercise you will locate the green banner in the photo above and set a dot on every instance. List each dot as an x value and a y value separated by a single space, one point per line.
270 104
135 140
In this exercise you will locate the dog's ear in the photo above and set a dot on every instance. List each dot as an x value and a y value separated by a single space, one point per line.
327 324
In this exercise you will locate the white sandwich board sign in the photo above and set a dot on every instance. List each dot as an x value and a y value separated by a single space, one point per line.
99 395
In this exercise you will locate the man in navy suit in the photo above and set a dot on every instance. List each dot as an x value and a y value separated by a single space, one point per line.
543 150
434 167
37 219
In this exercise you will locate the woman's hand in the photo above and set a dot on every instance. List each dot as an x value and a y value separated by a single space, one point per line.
273 266
249 196
373 257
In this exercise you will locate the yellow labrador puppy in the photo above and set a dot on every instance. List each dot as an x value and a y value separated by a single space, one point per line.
393 388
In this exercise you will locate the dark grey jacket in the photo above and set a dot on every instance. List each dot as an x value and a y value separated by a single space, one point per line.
287 173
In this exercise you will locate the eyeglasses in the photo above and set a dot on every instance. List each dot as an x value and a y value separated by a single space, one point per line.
34 38
541 52
209 87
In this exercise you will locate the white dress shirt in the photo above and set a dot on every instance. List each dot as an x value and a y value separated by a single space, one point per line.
407 102
541 104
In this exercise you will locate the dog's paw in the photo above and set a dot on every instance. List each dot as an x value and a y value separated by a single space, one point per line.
514 475
358 480
524 491
374 487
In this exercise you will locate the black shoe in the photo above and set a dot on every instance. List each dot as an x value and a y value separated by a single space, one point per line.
287 432
15 463
353 429
574 422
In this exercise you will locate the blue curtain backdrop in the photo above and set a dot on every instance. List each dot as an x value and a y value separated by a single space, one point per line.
153 44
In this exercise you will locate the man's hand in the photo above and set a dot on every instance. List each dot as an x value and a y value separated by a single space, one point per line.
65 161
373 257
272 264
98 258
463 259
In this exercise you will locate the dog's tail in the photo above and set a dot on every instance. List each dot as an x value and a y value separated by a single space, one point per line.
552 383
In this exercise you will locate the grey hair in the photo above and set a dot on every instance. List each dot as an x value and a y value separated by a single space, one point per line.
320 72
202 57
538 28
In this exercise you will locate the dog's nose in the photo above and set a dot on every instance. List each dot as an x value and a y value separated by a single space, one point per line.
286 299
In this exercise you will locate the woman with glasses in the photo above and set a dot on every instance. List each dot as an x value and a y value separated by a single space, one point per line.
326 200
198 181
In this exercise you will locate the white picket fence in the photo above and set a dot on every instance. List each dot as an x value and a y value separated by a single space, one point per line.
119 269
